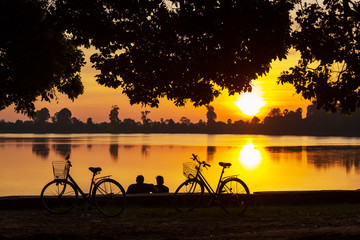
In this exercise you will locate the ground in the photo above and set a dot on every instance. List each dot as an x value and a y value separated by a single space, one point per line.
332 221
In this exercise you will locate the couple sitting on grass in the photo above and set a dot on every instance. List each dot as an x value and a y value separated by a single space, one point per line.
141 187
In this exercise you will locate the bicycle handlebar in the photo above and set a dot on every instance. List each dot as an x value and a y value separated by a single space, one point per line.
205 164
67 160
195 158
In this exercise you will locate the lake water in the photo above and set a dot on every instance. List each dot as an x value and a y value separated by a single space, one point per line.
264 163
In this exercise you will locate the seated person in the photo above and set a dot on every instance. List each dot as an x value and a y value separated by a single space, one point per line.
160 185
140 186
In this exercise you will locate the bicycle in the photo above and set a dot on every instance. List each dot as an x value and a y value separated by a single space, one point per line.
61 194
231 192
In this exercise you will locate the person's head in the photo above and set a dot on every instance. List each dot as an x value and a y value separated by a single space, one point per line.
159 180
140 179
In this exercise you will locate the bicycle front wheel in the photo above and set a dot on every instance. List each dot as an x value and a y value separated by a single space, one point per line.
109 197
234 196
188 195
59 196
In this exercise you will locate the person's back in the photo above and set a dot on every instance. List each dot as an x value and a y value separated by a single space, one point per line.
140 186
160 185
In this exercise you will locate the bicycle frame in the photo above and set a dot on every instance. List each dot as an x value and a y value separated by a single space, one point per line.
93 182
84 195
207 186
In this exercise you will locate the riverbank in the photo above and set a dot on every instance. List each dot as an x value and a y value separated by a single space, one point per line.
274 215
256 199
301 222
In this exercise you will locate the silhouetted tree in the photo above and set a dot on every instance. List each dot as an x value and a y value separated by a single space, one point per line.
255 120
19 122
274 112
37 58
317 122
183 50
286 122
210 115
169 122
62 117
75 121
201 122
129 121
144 117
291 115
328 38
89 121
272 120
185 121
179 49
114 115
41 116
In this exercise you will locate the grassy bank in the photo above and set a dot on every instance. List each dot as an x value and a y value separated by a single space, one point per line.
300 222
215 213
285 211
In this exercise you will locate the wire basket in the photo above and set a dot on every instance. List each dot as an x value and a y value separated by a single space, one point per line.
190 169
60 169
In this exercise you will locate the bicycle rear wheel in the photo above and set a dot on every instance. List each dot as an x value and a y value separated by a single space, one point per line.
59 196
109 197
188 195
234 196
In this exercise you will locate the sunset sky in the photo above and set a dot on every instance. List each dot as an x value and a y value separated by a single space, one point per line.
97 100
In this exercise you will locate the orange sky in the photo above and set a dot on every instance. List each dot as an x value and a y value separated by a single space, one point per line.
97 100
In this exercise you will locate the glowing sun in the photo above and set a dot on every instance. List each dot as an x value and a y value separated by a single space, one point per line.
250 103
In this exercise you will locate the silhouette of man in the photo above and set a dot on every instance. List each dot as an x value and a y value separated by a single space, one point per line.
160 185
140 186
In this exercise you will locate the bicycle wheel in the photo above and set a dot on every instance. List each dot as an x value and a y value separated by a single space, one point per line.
59 196
109 197
188 195
234 196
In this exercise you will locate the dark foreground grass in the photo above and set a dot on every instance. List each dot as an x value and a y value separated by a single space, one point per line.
216 213
286 222
208 213
331 210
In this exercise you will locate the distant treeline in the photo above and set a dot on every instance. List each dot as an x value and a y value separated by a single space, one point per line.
277 122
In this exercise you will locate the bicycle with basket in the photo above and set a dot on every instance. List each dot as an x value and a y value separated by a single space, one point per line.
61 194
231 193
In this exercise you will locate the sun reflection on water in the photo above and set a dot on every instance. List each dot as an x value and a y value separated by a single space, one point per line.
250 157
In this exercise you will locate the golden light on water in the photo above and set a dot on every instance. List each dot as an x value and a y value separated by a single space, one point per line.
250 157
250 103
264 163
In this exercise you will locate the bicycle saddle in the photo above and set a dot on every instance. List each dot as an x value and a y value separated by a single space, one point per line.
224 164
95 169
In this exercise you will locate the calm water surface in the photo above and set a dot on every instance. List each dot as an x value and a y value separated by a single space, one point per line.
265 163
